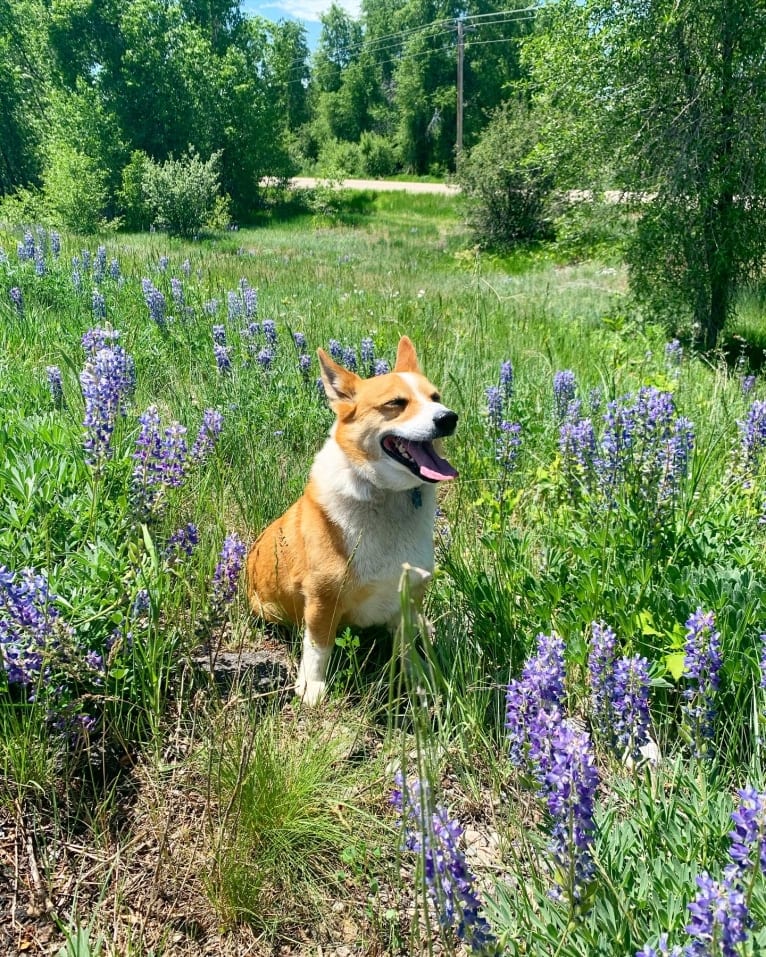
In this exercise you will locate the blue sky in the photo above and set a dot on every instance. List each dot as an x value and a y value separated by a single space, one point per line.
306 10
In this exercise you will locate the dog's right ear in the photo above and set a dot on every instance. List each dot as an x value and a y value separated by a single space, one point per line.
340 384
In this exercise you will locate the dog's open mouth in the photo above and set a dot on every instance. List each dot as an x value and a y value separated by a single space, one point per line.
421 458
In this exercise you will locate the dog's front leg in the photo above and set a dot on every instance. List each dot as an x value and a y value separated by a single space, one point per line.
318 641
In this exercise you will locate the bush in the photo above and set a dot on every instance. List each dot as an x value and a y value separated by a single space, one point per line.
75 189
507 186
181 194
378 155
337 158
131 197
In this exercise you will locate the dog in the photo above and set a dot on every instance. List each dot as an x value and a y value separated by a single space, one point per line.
335 556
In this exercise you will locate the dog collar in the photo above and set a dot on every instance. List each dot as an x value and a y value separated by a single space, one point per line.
417 497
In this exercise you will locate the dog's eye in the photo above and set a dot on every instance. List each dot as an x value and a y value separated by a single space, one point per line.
398 403
436 397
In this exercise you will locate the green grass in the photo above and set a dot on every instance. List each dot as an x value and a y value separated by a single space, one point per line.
294 813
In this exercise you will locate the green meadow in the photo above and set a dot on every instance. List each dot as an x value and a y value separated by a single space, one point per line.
151 804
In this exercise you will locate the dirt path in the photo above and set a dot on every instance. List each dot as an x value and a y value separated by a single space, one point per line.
380 185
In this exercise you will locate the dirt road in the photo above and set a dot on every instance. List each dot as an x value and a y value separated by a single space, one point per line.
380 185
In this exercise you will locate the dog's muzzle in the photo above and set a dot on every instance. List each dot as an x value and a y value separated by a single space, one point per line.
445 423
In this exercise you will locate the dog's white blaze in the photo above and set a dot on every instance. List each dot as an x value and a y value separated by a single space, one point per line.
420 427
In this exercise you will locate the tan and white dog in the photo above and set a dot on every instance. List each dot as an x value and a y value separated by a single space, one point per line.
335 557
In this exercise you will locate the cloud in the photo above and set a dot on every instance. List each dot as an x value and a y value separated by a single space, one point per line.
302 9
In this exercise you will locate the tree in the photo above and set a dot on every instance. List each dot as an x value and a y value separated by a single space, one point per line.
671 96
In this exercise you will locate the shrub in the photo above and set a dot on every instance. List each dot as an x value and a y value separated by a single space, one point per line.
181 194
507 186
75 188
131 197
339 158
378 154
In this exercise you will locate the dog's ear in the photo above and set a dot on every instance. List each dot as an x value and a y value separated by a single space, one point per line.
406 357
340 384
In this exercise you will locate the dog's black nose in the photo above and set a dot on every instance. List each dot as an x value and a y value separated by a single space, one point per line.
446 422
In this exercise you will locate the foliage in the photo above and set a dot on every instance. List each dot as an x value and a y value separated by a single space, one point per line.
75 188
131 198
508 186
182 193
682 129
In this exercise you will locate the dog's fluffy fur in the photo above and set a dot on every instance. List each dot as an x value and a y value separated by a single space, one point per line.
335 557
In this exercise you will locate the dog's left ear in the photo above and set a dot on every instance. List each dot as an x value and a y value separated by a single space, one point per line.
340 384
406 357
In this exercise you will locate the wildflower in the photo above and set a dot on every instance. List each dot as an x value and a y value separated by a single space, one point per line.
304 364
186 267
209 430
702 663
155 301
534 703
564 389
367 353
142 603
28 246
494 405
55 384
719 919
349 358
234 306
506 379
762 661
577 445
265 357
17 298
222 358
99 264
662 949
630 704
601 663
182 542
226 575
431 832
569 787
507 445
76 275
177 291
753 438
40 269
335 349
674 353
55 243
85 257
381 367
107 380
162 264
114 269
748 838
97 338
269 328
147 480
99 305
210 308
219 335
31 629
173 455
595 400
250 301
300 341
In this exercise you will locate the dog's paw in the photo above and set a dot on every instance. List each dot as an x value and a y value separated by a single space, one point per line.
310 692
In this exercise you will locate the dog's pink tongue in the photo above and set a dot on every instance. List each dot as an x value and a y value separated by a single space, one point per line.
430 465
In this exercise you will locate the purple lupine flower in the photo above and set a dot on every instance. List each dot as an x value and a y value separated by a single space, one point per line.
40 268
577 445
534 703
494 405
381 367
177 291
76 274
753 439
226 575
663 949
162 263
56 385
31 629
702 663
265 357
349 358
155 301
762 661
234 306
17 298
747 384
147 476
99 264
595 400
210 308
85 257
182 542
114 269
219 335
142 603
719 919
335 349
209 430
250 301
55 243
367 353
97 338
630 705
304 364
300 341
507 445
3 257
506 379
28 246
601 663
222 357
107 380
432 833
186 267
99 305
674 353
173 456
564 390
569 787
269 328
748 838
95 662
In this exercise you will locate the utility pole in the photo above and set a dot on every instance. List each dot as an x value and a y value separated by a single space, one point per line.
460 50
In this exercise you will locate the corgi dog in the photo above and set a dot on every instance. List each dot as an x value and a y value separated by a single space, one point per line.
335 557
